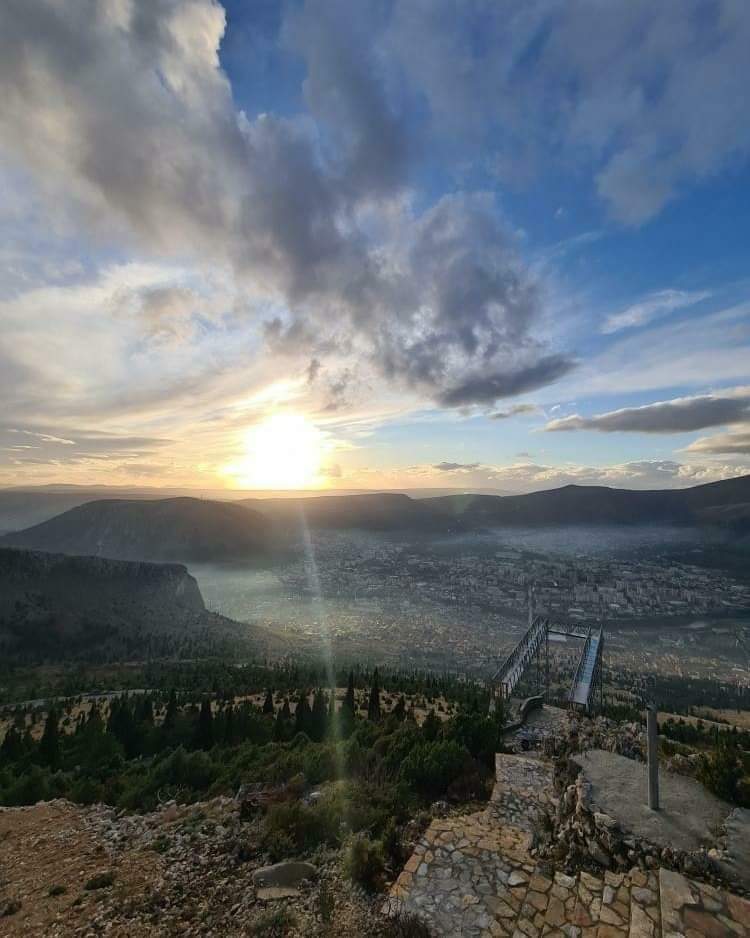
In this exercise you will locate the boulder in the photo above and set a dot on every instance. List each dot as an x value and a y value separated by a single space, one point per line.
269 893
286 874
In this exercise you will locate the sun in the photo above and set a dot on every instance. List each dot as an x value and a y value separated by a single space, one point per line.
282 452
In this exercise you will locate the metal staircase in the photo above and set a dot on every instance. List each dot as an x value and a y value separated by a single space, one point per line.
587 673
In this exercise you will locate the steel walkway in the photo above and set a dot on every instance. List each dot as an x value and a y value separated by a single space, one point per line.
587 671
512 669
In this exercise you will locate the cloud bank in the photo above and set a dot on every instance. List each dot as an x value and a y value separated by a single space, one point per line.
680 415
122 116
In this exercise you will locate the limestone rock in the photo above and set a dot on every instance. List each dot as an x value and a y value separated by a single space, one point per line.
288 873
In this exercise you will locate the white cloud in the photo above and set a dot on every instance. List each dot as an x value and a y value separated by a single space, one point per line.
650 96
652 307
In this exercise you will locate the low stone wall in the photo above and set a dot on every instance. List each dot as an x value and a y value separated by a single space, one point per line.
575 836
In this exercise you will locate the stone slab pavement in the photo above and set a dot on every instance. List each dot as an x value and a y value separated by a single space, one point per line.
473 876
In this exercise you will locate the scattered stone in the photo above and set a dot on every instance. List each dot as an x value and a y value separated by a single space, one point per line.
288 873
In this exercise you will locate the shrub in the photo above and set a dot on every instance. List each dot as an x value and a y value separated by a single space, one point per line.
292 825
406 926
100 880
432 766
326 904
273 924
57 890
393 846
364 863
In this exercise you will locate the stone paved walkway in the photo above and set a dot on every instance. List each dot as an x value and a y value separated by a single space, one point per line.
473 876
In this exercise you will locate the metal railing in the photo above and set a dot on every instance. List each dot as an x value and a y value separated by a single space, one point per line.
511 671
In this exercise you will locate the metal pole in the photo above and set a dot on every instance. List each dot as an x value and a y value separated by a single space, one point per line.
652 733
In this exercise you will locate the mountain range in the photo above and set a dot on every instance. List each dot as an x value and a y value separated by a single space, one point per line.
200 530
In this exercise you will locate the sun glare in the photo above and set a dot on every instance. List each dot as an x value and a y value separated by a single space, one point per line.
283 452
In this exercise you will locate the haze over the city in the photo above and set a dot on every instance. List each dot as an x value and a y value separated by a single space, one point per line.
330 245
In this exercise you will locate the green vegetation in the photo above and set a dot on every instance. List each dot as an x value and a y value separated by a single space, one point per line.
726 771
372 766
100 881
364 862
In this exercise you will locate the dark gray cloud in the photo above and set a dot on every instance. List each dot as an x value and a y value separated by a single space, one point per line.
123 115
489 387
681 415
456 466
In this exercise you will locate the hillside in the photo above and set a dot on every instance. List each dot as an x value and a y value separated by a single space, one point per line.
378 511
54 606
714 503
591 504
172 529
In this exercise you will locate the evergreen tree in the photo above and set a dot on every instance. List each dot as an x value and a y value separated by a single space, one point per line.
146 710
12 747
349 704
268 702
204 729
281 725
302 715
286 711
49 745
399 711
319 719
170 717
373 707
229 730
431 726
333 717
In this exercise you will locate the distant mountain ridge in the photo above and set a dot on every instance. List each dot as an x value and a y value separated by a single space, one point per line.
713 502
377 511
190 530
161 530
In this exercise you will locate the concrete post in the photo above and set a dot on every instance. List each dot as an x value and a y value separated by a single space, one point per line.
652 732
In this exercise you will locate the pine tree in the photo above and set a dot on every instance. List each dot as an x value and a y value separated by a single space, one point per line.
204 730
349 703
302 715
319 720
399 711
431 726
12 746
286 711
229 731
49 745
373 707
170 717
281 725
268 702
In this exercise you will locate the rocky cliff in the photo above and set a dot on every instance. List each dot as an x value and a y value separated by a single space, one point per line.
53 606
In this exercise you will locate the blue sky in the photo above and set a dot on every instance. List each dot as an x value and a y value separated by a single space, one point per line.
483 245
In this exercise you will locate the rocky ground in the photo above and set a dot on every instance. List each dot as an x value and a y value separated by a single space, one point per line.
68 871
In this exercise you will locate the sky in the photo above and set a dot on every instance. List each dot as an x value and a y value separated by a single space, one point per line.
480 244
